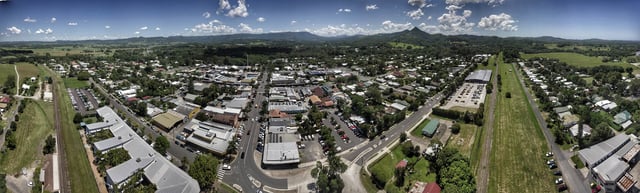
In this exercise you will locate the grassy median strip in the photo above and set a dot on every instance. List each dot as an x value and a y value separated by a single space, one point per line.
517 156
78 166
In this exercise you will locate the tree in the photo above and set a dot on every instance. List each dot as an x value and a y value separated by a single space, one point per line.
600 133
204 169
403 137
399 174
161 145
77 118
50 145
141 109
84 75
202 116
455 128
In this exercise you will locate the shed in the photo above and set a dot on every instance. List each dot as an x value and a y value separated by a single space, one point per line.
402 163
431 128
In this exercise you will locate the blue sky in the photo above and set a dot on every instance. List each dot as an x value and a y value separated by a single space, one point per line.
28 20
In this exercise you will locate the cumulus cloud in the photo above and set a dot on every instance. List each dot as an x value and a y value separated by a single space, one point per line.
461 2
429 18
502 21
247 29
72 23
206 15
418 3
14 30
144 28
344 10
293 22
137 32
239 11
214 26
429 28
389 26
261 19
415 14
157 28
53 19
47 31
224 5
107 27
454 23
371 7
339 30
29 20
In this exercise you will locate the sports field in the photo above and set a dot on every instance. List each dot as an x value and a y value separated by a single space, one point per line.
517 155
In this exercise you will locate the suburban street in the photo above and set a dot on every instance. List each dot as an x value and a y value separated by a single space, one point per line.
571 176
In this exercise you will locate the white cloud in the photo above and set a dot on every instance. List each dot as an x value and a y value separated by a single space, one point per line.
247 29
14 30
215 21
206 15
53 19
29 20
461 2
429 28
72 23
389 26
224 4
137 32
293 22
41 31
502 21
429 5
261 19
454 23
144 28
415 14
239 11
157 28
107 27
429 18
418 3
214 26
340 30
344 10
371 7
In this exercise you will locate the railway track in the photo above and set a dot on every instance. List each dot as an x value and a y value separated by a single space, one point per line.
65 184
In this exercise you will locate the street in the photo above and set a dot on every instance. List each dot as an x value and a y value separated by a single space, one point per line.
571 176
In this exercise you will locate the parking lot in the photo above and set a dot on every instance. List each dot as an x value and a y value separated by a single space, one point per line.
469 95
83 101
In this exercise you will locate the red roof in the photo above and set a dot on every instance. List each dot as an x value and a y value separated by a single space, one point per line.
133 99
431 188
402 164
5 100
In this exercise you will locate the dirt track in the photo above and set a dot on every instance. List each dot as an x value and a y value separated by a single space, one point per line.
482 177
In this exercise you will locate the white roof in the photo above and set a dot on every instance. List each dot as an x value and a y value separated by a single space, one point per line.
398 106
212 136
600 151
611 169
219 110
586 130
281 153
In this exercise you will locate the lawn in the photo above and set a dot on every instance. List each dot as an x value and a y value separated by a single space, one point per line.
464 140
576 160
35 124
386 167
6 69
79 168
578 60
417 131
75 83
517 160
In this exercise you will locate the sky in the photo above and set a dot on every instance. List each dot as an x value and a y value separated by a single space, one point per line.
48 20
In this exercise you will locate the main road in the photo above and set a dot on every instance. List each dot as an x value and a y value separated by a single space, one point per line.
570 175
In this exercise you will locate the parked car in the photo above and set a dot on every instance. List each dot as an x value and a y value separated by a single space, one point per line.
559 181
549 154
553 166
242 155
226 167
551 161
561 187
557 173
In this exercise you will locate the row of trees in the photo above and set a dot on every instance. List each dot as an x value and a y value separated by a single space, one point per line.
466 117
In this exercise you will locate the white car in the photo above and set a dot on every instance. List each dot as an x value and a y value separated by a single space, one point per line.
559 181
226 167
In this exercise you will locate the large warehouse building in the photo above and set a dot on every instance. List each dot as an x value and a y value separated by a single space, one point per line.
479 76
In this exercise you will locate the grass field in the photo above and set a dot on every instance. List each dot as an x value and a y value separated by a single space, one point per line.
79 168
386 166
417 131
64 50
75 83
578 60
27 71
36 123
576 47
464 140
517 160
7 70
463 109
404 45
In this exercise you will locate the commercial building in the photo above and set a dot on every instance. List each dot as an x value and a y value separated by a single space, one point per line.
288 107
155 168
168 120
227 116
280 143
479 76
213 137
609 162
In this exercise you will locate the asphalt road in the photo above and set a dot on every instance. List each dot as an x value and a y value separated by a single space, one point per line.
10 116
174 150
570 175
394 132
243 171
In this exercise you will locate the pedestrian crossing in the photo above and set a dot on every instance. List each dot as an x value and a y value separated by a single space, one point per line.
221 173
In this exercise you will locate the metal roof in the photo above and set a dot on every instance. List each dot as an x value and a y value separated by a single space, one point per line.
431 127
611 169
281 153
479 75
602 150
